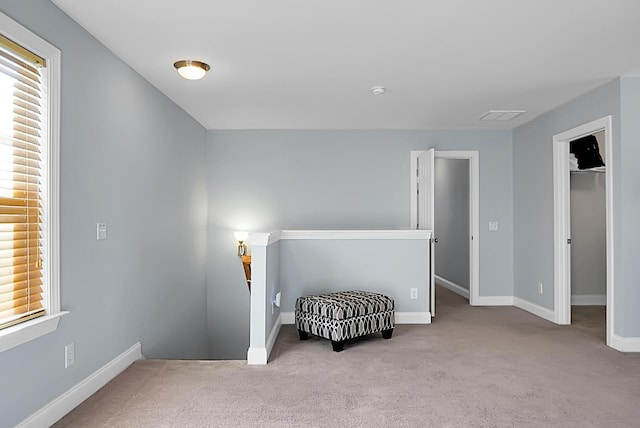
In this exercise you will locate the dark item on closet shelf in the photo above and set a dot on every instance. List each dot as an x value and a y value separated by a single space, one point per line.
587 152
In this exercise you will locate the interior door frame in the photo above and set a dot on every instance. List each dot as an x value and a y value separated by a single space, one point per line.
425 198
473 156
562 219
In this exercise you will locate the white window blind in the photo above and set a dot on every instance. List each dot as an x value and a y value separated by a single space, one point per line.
21 184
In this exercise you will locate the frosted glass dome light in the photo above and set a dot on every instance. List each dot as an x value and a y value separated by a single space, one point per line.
191 69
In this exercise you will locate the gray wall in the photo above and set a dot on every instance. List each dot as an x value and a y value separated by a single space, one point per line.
533 189
627 205
132 159
391 267
268 180
533 196
452 220
588 230
273 286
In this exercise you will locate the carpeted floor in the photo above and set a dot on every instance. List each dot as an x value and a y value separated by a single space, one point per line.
473 367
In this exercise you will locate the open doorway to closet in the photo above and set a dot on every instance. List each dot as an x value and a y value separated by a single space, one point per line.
578 210
432 170
587 177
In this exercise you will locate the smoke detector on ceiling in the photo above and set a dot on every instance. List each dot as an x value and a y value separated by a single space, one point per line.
501 115
378 90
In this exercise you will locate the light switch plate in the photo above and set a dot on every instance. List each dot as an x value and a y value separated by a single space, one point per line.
101 231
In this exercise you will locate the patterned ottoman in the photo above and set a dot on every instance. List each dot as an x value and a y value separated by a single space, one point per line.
344 315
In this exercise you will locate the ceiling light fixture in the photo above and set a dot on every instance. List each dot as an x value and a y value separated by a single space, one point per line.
191 69
378 90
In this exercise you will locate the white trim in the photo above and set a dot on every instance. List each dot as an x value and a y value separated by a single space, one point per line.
56 409
51 161
259 345
413 318
257 356
589 300
561 220
413 187
625 344
288 317
274 237
400 318
355 234
537 310
257 352
449 285
24 332
493 301
262 239
561 232
273 335
53 178
474 211
474 188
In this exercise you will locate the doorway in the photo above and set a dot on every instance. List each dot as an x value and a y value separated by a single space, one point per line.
452 223
472 164
562 220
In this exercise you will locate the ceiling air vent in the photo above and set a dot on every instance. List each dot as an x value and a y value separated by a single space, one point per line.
501 115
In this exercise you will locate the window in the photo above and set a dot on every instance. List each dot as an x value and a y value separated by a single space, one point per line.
29 82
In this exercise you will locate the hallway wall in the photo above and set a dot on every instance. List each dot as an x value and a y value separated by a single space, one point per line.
452 220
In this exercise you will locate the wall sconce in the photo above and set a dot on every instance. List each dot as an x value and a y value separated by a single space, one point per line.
241 237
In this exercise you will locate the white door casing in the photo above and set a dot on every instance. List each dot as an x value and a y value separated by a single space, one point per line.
425 193
562 223
426 190
474 211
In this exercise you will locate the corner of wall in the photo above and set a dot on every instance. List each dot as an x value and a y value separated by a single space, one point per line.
56 409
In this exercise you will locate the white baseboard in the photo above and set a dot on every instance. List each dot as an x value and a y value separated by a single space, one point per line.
493 301
55 410
452 286
288 317
589 300
273 335
401 318
413 318
625 344
257 356
537 310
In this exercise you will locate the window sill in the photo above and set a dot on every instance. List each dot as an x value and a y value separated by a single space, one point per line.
27 331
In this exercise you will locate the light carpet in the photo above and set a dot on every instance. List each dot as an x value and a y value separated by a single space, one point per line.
473 367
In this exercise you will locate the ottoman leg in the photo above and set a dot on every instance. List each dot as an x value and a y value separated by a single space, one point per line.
303 335
387 333
338 346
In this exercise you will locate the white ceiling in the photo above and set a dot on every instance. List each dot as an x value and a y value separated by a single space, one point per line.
310 64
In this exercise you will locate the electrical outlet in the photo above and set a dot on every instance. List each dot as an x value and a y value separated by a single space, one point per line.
493 225
540 288
69 355
275 303
414 293
278 296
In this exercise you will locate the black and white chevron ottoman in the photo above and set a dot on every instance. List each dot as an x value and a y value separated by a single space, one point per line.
344 315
